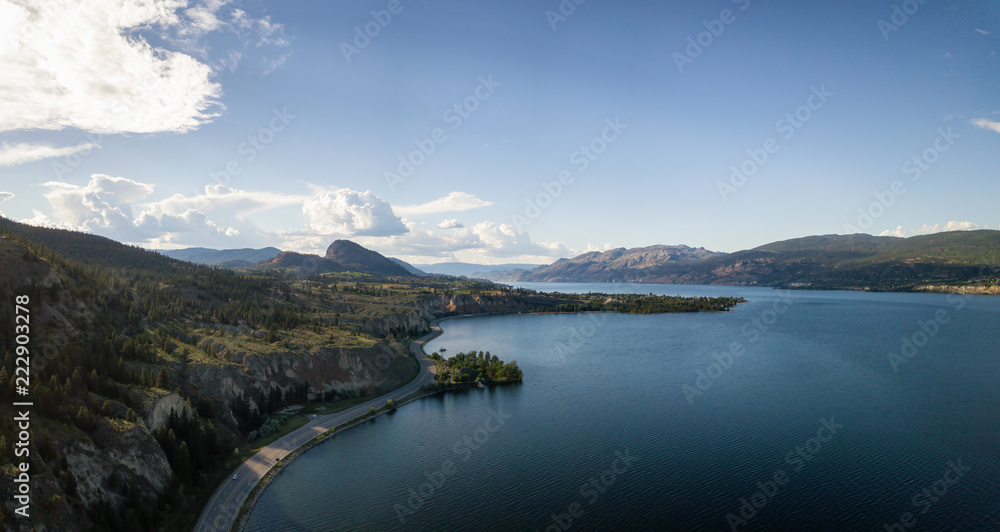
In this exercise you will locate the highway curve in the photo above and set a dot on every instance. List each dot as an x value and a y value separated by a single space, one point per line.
225 504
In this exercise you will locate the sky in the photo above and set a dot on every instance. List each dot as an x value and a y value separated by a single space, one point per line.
515 131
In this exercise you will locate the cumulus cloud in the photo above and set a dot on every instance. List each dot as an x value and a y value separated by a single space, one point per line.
986 124
928 229
450 224
593 247
82 65
87 64
483 241
456 201
347 212
104 206
125 210
14 154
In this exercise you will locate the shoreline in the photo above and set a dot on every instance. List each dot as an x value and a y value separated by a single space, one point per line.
242 515
931 288
425 370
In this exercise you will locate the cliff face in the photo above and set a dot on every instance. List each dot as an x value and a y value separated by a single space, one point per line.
124 450
346 371
161 409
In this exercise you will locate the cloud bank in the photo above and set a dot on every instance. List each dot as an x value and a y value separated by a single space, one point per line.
123 209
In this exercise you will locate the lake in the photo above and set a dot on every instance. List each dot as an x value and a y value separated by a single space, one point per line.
796 411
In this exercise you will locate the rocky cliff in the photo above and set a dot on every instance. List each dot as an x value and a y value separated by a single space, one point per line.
347 372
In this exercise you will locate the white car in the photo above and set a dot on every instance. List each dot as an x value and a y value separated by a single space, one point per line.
234 477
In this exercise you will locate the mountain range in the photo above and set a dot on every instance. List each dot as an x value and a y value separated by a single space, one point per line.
224 258
827 262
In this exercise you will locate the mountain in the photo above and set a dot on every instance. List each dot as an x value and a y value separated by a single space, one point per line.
223 257
859 262
941 261
409 267
341 256
356 258
307 264
94 250
466 269
614 265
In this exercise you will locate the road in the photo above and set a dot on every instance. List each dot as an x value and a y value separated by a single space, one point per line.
222 509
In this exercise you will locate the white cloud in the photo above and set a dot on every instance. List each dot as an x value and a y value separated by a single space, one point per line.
14 154
38 219
87 64
218 200
346 212
986 124
4 196
450 224
984 32
204 17
928 229
123 209
456 201
104 206
83 66
591 247
477 243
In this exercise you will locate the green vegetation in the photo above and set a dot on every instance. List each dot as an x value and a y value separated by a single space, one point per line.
474 367
960 260
644 304
178 365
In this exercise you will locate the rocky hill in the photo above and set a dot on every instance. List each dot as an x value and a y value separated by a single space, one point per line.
353 257
341 256
967 261
614 265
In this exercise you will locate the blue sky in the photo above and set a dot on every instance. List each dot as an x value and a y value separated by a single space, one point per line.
578 126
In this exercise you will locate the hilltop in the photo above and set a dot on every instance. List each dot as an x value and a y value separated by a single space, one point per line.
356 258
341 256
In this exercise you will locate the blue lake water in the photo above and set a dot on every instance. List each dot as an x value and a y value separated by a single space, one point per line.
785 414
